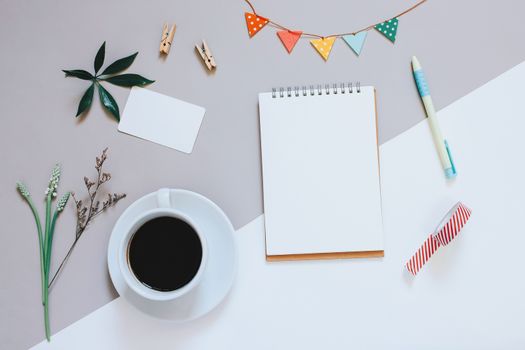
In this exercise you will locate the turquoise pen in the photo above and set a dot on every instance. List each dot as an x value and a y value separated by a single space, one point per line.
442 146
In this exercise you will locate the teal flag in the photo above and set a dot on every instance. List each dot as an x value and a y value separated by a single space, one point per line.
388 29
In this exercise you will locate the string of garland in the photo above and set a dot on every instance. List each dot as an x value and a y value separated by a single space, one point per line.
324 43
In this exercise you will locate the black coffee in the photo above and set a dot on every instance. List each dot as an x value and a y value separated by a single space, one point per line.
165 253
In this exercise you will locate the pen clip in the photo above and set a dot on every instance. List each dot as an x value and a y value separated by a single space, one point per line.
453 172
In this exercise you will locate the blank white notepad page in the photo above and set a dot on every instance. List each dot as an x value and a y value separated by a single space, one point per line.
320 173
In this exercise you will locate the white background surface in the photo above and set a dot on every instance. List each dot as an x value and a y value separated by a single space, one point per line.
469 296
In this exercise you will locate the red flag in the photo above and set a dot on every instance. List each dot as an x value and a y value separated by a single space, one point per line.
289 38
254 23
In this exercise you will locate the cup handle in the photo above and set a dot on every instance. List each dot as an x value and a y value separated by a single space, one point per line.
163 198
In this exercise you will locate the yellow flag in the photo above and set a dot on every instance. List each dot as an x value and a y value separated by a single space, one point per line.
323 46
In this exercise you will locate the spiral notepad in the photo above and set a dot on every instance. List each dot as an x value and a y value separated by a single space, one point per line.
320 168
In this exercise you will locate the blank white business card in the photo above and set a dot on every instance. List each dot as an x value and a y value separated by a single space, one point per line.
161 119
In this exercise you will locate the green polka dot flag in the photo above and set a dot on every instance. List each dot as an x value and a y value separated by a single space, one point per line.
388 29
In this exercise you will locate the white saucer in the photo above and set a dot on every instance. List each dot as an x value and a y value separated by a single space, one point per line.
220 269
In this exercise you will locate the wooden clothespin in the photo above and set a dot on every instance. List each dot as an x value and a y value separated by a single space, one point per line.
206 55
167 38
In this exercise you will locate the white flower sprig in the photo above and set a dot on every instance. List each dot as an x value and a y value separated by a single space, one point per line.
23 190
53 182
45 237
62 202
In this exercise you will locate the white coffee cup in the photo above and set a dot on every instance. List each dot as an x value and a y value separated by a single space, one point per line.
164 209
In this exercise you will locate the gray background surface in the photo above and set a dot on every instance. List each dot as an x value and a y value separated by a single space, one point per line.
461 44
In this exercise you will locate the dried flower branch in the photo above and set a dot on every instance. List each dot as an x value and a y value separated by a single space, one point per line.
87 212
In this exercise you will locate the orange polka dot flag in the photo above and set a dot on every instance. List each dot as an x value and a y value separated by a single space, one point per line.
323 44
254 23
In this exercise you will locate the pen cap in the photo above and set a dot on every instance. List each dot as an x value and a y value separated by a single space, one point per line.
419 76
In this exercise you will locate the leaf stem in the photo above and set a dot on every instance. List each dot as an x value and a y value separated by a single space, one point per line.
48 225
46 314
45 251
40 243
48 249
46 317
50 245
46 244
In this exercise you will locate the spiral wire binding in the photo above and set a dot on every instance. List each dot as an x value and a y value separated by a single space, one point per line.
296 91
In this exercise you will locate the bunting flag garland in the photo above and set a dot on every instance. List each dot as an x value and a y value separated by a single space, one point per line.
324 43
289 38
388 29
254 23
355 41
323 46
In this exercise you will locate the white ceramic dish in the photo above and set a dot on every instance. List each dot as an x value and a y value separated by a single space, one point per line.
216 279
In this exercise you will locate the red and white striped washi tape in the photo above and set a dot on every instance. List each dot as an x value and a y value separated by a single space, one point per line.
446 231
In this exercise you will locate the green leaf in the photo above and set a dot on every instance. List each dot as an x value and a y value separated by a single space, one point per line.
86 100
78 73
108 101
129 80
99 58
120 65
